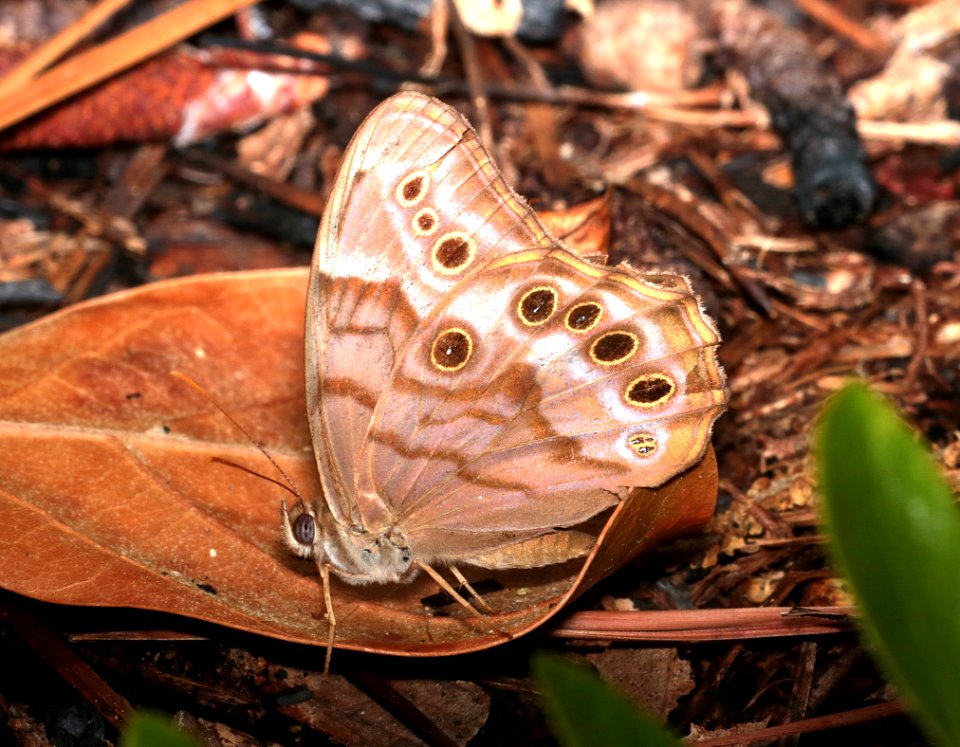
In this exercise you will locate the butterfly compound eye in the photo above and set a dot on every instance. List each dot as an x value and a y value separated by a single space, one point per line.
305 529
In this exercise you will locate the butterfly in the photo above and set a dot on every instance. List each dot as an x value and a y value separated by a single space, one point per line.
474 388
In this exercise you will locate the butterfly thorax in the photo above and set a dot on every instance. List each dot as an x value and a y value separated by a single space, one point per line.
354 553
359 556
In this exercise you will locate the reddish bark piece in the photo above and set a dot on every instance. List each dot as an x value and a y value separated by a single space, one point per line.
109 497
184 96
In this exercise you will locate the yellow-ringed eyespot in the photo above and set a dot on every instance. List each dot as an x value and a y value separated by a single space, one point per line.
451 349
642 444
537 305
614 347
583 317
453 253
425 221
649 390
412 188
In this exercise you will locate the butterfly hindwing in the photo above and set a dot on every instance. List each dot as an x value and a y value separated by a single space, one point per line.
569 382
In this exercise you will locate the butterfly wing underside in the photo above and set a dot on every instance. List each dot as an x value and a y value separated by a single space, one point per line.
469 380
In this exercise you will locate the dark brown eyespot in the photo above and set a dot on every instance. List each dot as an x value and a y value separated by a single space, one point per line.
304 529
583 317
613 348
643 444
649 390
451 349
425 222
453 253
537 305
413 188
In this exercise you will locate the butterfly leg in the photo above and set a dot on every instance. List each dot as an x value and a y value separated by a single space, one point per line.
470 590
442 582
331 618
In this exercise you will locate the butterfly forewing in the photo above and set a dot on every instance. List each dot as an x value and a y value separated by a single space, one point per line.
417 204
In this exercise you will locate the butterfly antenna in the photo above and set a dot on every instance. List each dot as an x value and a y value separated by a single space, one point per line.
289 486
243 468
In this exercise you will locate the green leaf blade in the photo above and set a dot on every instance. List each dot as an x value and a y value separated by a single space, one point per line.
584 712
146 729
895 532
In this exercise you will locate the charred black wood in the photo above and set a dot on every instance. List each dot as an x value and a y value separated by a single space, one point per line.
20 293
808 109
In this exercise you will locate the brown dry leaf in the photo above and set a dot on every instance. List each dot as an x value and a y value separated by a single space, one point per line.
109 496
345 713
828 281
584 227
655 678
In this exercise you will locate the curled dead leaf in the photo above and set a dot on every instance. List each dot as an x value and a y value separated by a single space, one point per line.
110 498
584 228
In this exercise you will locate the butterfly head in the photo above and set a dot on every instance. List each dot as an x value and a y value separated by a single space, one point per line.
353 553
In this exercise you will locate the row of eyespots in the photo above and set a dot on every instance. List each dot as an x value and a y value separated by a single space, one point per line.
454 251
451 254
538 305
452 347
